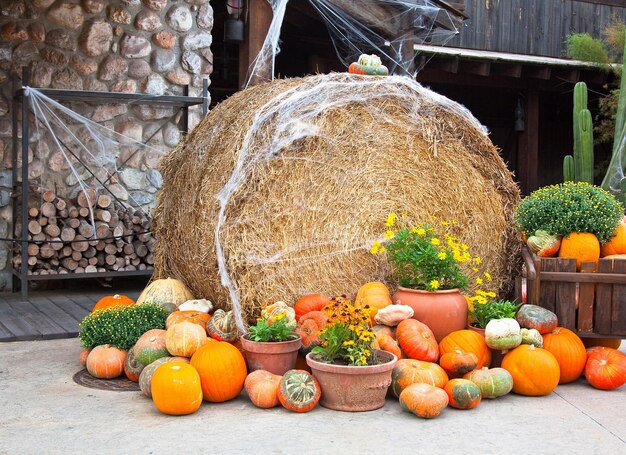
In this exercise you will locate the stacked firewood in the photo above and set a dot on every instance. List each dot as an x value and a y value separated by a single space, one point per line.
91 233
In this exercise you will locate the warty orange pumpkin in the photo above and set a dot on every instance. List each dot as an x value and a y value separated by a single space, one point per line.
583 246
411 371
184 339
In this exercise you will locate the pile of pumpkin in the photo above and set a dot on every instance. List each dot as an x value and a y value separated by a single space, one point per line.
583 246
197 356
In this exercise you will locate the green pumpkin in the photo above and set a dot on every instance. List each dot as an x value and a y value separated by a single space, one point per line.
492 382
463 393
151 346
536 317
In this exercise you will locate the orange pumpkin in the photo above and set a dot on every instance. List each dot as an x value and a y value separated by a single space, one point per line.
262 388
111 301
105 362
384 342
193 316
310 302
184 338
83 356
467 341
569 351
391 331
176 389
374 294
535 371
222 370
410 371
458 363
606 368
145 378
583 246
309 327
423 400
462 393
417 340
617 243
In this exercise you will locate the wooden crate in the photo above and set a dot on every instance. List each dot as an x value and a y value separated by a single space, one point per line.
589 302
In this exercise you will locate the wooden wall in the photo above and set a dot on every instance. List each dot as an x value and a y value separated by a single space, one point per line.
536 27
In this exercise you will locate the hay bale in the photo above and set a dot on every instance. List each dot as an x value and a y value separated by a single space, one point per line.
295 178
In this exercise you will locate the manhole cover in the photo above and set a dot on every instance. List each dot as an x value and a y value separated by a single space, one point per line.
121 384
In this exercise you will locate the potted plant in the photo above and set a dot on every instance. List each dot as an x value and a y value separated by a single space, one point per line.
584 215
427 261
484 310
352 375
272 344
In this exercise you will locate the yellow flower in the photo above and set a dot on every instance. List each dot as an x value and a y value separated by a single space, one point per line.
366 352
491 294
382 250
388 234
348 342
488 276
434 284
479 281
279 316
419 231
435 241
363 359
442 255
375 247
391 219
477 260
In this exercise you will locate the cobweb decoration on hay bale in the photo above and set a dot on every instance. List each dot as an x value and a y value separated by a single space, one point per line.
282 189
387 28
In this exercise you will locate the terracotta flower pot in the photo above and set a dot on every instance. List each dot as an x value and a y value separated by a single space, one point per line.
353 388
276 356
496 356
442 311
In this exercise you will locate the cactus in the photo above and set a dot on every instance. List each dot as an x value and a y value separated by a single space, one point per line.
568 168
613 180
579 167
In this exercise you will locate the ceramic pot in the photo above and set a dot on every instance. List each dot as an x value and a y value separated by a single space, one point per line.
276 356
353 388
442 311
496 356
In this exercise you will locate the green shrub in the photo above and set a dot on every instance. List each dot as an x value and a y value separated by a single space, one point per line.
570 207
582 46
121 326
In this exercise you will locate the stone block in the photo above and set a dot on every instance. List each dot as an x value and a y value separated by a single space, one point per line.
93 6
164 39
61 40
154 85
67 79
134 46
112 67
37 31
82 65
197 40
147 20
12 31
96 37
179 17
155 5
119 15
68 15
205 17
138 69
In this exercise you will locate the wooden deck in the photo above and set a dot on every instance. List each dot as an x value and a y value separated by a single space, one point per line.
48 315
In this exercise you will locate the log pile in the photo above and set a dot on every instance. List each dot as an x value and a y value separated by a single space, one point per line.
89 234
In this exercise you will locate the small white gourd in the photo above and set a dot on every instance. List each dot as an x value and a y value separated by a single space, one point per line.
502 334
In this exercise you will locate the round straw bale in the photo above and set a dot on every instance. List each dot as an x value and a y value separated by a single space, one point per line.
281 190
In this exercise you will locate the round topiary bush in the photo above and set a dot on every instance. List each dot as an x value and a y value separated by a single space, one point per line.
570 207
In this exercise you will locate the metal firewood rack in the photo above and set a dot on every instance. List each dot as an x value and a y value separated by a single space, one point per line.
20 188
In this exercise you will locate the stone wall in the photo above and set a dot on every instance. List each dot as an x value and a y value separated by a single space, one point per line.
146 46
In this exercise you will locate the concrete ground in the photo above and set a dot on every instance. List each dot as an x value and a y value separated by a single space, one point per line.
43 411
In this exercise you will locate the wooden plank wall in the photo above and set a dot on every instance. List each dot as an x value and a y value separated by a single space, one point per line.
535 27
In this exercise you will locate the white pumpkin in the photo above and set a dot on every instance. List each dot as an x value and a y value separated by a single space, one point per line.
203 305
503 334
392 315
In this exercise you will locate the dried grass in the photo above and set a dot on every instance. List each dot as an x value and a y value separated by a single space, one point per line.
303 221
